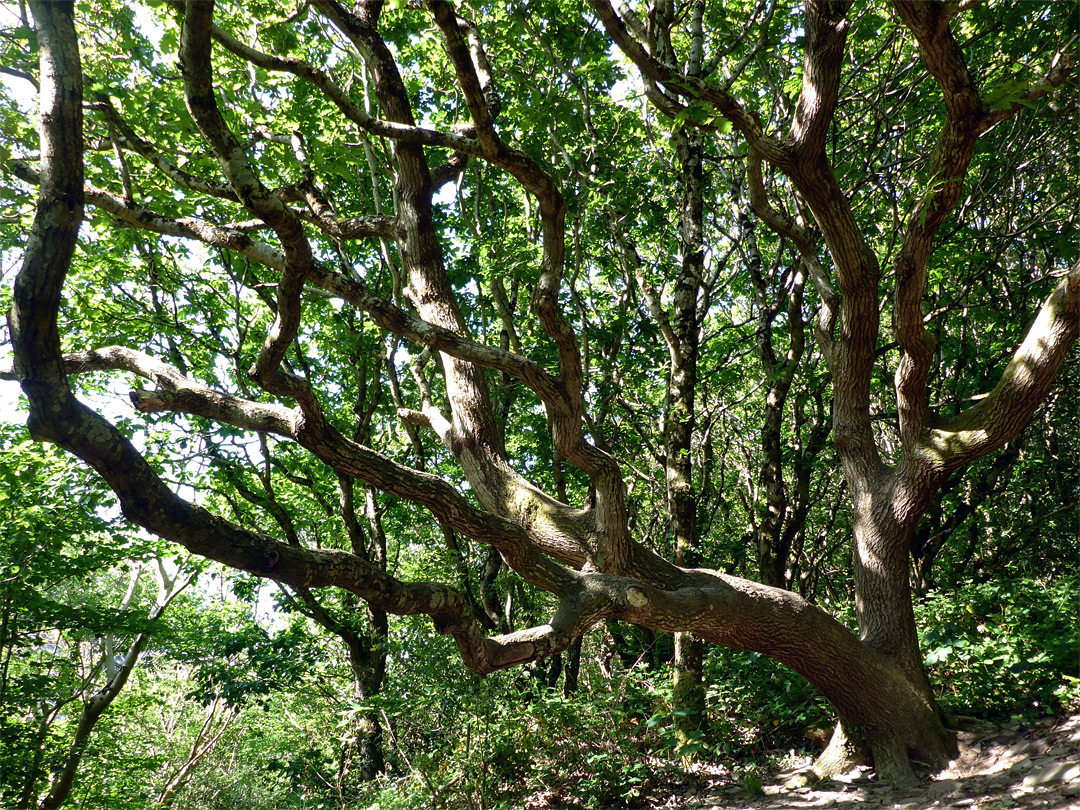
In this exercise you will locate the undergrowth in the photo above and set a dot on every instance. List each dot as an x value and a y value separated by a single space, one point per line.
1004 649
995 650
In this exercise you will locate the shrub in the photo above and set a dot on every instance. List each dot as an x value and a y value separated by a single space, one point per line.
1003 648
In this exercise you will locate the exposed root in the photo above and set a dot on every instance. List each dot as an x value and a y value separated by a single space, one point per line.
841 755
937 746
891 758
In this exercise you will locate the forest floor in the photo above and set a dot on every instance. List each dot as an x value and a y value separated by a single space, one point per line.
1021 766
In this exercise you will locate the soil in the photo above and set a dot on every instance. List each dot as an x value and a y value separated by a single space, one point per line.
1015 766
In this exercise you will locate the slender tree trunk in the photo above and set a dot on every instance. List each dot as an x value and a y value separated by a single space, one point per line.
368 673
214 726
368 659
772 497
688 695
572 668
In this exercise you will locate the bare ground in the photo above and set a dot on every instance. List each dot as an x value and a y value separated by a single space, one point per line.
999 768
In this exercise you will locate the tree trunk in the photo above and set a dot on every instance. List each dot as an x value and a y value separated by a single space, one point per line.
368 728
688 696
683 337
572 668
883 579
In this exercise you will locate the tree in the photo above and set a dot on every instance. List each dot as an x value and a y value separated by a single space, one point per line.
280 168
888 498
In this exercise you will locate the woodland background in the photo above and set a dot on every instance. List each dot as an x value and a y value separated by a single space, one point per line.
238 692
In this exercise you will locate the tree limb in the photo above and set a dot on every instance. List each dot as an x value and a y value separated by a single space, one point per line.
355 113
785 226
1002 414
693 88
195 42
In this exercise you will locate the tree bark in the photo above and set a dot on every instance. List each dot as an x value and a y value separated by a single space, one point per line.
681 333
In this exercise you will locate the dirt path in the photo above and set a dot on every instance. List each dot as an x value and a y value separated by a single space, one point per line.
999 768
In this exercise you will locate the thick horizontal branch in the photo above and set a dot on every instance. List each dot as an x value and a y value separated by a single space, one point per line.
141 217
178 393
182 393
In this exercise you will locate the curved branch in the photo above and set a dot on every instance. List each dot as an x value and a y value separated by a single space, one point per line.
473 72
785 226
1003 413
475 437
691 87
383 312
1061 67
826 33
948 167
354 112
632 259
162 163
567 410
400 322
321 212
965 120
138 216
50 245
178 393
195 42
232 236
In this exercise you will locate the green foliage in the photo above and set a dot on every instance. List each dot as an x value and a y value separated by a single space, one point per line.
756 703
276 756
63 564
496 742
751 785
1005 647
